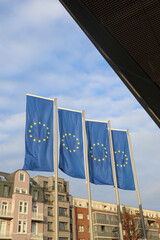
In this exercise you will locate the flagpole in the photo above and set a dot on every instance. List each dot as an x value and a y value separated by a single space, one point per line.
136 185
56 169
115 182
87 178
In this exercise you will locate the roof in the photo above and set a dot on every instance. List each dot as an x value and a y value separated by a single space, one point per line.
127 34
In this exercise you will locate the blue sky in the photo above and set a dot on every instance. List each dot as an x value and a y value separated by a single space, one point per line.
44 52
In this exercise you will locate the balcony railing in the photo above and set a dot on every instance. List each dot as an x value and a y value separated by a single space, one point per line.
37 216
37 236
106 234
5 235
6 214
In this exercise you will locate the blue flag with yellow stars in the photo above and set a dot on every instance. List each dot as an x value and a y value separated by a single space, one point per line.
39 134
122 157
99 158
71 159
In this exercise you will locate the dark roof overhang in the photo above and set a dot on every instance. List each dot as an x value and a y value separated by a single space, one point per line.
127 34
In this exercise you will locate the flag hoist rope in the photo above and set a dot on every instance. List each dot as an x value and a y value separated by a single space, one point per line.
137 188
87 177
56 170
115 183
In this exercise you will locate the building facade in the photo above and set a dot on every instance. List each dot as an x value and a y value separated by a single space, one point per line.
105 221
21 216
27 212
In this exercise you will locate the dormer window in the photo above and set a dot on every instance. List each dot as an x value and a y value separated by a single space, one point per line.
21 177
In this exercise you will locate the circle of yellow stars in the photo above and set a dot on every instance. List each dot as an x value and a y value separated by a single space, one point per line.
31 130
103 148
125 161
65 145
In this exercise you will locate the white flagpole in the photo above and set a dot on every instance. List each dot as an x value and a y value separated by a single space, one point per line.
115 182
56 170
87 177
136 185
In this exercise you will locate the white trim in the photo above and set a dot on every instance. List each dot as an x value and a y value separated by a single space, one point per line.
39 97
89 120
69 110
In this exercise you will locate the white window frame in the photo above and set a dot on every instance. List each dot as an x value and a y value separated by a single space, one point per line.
80 228
4 209
22 207
23 226
3 226
80 215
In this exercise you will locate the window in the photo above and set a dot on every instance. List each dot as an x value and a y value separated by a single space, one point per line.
21 177
23 207
45 185
34 228
4 208
102 228
35 195
34 210
2 226
50 211
22 226
63 226
60 187
47 197
50 227
63 211
80 228
5 191
80 215
61 198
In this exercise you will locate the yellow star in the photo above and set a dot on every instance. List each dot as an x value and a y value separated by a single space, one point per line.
121 165
35 123
69 134
106 152
73 135
77 139
74 150
105 148
77 147
63 144
126 162
125 155
122 152
30 136
94 158
102 145
66 147
94 144
117 165
106 156
97 143
34 139
99 160
126 159
65 134
44 139
44 125
62 140
103 159
124 165
119 151
78 142
31 126
48 132
29 130
47 137
91 147
70 150
115 152
90 151
39 122
39 140
47 128
91 155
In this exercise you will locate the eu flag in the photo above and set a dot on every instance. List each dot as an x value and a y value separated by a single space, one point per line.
71 159
39 135
122 157
99 158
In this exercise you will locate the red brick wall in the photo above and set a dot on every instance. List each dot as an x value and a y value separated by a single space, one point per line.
82 222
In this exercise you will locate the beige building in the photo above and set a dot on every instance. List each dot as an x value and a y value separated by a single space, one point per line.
64 204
